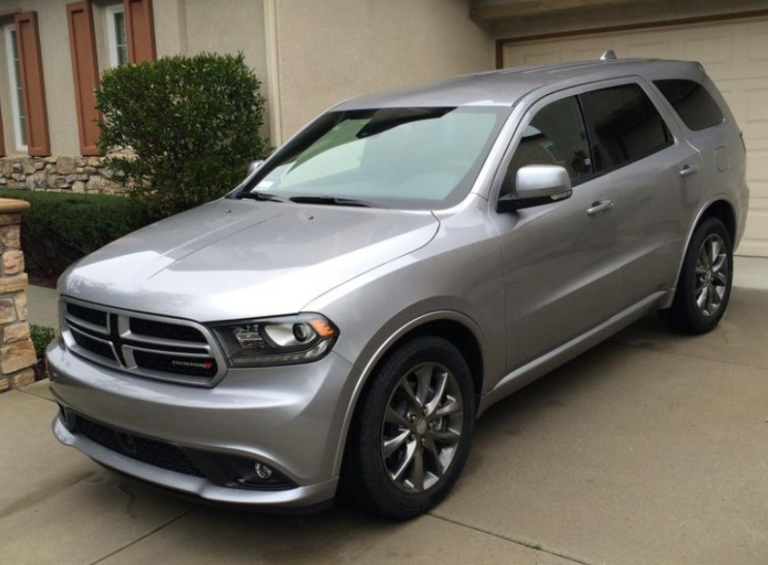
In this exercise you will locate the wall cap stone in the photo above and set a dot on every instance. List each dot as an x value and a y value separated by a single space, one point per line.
11 205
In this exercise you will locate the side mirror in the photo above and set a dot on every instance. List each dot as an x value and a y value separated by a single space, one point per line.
536 185
254 166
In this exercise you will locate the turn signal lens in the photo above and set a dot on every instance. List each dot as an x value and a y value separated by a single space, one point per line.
323 327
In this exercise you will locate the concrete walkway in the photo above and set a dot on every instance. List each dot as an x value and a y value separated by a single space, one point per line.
43 308
650 449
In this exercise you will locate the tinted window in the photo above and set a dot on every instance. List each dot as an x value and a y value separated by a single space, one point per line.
693 104
555 136
623 126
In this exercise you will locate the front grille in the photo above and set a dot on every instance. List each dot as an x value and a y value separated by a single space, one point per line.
142 345
149 451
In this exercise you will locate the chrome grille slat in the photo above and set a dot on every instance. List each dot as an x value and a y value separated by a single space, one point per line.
99 330
194 360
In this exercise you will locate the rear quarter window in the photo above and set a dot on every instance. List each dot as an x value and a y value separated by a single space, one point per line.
692 103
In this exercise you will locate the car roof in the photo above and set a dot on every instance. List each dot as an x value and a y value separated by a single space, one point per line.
505 87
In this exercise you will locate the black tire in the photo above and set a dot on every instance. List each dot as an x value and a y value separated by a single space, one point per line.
365 479
685 315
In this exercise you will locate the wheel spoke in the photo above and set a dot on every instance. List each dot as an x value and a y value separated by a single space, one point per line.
405 386
721 278
424 376
453 407
714 248
392 416
437 398
410 452
435 456
704 258
391 445
417 472
701 300
445 436
719 263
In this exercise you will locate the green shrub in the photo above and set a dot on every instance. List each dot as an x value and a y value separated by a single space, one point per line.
59 228
41 337
192 124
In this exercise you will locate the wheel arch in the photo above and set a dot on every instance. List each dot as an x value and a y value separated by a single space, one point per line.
454 326
720 207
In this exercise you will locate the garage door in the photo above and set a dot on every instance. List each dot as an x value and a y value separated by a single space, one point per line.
735 55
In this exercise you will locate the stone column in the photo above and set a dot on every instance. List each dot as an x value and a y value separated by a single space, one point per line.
17 354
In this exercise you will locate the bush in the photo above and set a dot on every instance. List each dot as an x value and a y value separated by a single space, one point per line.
58 229
191 126
41 337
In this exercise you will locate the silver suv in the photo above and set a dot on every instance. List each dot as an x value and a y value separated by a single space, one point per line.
339 321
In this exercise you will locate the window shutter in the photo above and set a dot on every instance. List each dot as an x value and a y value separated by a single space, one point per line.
32 83
2 137
140 30
85 72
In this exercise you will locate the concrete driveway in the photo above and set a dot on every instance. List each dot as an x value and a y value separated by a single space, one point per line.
650 449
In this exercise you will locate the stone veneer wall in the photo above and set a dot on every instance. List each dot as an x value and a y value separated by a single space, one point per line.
62 173
17 354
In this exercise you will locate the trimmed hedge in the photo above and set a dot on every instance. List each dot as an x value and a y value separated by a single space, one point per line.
60 228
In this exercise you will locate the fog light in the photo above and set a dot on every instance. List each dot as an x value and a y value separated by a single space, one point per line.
262 471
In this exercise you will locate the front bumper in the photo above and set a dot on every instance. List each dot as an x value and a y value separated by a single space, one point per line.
290 418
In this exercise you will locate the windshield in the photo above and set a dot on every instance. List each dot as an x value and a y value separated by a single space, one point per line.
408 158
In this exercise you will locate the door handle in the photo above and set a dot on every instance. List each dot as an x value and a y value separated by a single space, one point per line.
689 170
599 207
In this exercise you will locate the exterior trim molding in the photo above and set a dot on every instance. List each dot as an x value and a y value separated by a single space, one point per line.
500 43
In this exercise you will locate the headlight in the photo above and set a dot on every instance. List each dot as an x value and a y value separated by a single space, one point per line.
276 341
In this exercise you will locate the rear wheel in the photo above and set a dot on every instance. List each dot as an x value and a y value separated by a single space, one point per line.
412 430
705 281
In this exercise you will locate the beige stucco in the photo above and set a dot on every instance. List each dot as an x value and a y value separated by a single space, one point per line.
330 50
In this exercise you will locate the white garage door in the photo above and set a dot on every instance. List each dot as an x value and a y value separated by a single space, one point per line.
735 55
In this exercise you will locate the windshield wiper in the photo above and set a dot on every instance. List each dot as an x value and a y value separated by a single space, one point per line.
259 195
332 200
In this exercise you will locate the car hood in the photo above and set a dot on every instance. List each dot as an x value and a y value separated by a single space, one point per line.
234 259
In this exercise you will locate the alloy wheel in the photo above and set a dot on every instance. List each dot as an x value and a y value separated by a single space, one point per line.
422 427
711 275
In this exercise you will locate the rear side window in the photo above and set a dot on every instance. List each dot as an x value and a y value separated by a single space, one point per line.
692 102
623 126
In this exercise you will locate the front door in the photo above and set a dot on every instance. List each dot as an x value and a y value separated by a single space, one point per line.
557 257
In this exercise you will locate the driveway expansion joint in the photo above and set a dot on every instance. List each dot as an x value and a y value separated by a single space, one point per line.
141 538
528 545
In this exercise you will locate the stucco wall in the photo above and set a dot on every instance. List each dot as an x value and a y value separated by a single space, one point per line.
330 50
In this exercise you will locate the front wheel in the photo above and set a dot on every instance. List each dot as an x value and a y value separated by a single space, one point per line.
705 281
412 430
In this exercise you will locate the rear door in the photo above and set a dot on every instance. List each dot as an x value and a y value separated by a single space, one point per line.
656 177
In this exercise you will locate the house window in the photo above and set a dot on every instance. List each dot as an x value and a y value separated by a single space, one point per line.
118 43
17 96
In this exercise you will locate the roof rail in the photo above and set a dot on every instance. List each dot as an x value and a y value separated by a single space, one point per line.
608 55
